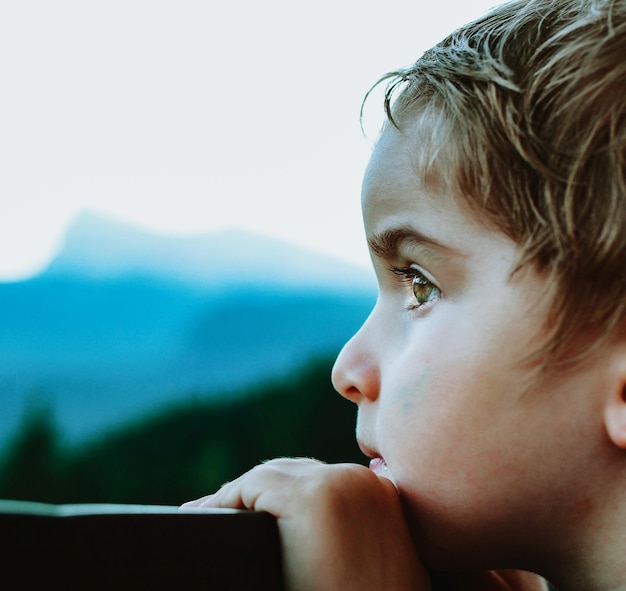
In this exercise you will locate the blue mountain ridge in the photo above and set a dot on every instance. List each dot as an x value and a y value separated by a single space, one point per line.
114 329
98 247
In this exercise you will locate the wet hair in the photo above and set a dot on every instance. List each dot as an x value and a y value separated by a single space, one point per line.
526 109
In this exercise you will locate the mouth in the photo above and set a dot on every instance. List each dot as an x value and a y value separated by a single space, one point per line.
377 462
380 468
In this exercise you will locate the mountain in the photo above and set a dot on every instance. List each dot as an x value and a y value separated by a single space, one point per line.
123 322
100 247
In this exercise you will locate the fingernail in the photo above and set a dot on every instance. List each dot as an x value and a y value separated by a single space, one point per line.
190 504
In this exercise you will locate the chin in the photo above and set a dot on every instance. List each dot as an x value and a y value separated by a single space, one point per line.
447 540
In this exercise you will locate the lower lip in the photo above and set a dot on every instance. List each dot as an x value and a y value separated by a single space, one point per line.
378 466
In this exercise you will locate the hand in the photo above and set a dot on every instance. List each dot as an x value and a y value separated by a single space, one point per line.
341 526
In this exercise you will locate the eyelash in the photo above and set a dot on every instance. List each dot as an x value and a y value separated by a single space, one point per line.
418 282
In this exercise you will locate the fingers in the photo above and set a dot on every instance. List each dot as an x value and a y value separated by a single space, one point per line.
342 516
260 488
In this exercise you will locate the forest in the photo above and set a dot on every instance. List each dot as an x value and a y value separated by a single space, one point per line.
185 450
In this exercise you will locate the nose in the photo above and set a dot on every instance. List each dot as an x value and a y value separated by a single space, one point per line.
356 375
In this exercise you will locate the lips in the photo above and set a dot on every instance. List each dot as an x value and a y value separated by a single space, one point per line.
377 463
367 451
379 467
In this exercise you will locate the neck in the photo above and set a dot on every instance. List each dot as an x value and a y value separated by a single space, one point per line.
591 556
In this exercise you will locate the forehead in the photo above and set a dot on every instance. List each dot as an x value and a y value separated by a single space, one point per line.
393 163
396 193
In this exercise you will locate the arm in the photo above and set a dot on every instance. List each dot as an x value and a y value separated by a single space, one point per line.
342 529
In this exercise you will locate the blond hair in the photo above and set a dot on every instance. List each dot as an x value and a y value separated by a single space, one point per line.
528 106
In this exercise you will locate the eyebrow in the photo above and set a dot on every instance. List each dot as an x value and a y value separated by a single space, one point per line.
387 244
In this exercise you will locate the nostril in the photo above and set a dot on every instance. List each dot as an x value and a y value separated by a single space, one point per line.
357 381
352 393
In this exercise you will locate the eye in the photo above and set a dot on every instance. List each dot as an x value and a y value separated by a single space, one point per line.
424 290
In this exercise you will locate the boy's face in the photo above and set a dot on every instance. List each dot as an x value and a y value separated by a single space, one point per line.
486 452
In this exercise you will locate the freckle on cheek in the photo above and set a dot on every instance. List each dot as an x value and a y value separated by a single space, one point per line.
409 394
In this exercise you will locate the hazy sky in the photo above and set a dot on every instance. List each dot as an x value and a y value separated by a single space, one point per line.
185 116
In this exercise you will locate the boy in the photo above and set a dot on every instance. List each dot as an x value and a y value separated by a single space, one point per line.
490 377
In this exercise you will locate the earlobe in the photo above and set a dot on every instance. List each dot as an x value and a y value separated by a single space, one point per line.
615 415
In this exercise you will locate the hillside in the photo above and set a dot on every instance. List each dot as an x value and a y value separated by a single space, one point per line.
115 329
100 247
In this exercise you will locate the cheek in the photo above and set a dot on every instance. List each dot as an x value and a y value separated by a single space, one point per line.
408 396
445 390
420 419
435 420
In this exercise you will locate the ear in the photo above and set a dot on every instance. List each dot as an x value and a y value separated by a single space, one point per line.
615 410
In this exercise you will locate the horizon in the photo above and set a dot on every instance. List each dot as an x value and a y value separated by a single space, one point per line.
187 119
85 253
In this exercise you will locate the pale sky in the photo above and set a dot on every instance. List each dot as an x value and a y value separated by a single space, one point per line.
188 116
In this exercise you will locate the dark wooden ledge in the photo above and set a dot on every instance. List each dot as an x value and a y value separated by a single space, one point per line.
136 547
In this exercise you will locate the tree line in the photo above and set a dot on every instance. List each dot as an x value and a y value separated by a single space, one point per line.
187 450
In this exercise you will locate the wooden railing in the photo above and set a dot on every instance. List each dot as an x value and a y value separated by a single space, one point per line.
92 547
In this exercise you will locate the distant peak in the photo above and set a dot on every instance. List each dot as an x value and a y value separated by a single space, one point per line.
100 247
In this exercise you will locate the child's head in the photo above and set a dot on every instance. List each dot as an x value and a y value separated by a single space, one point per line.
523 114
495 210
